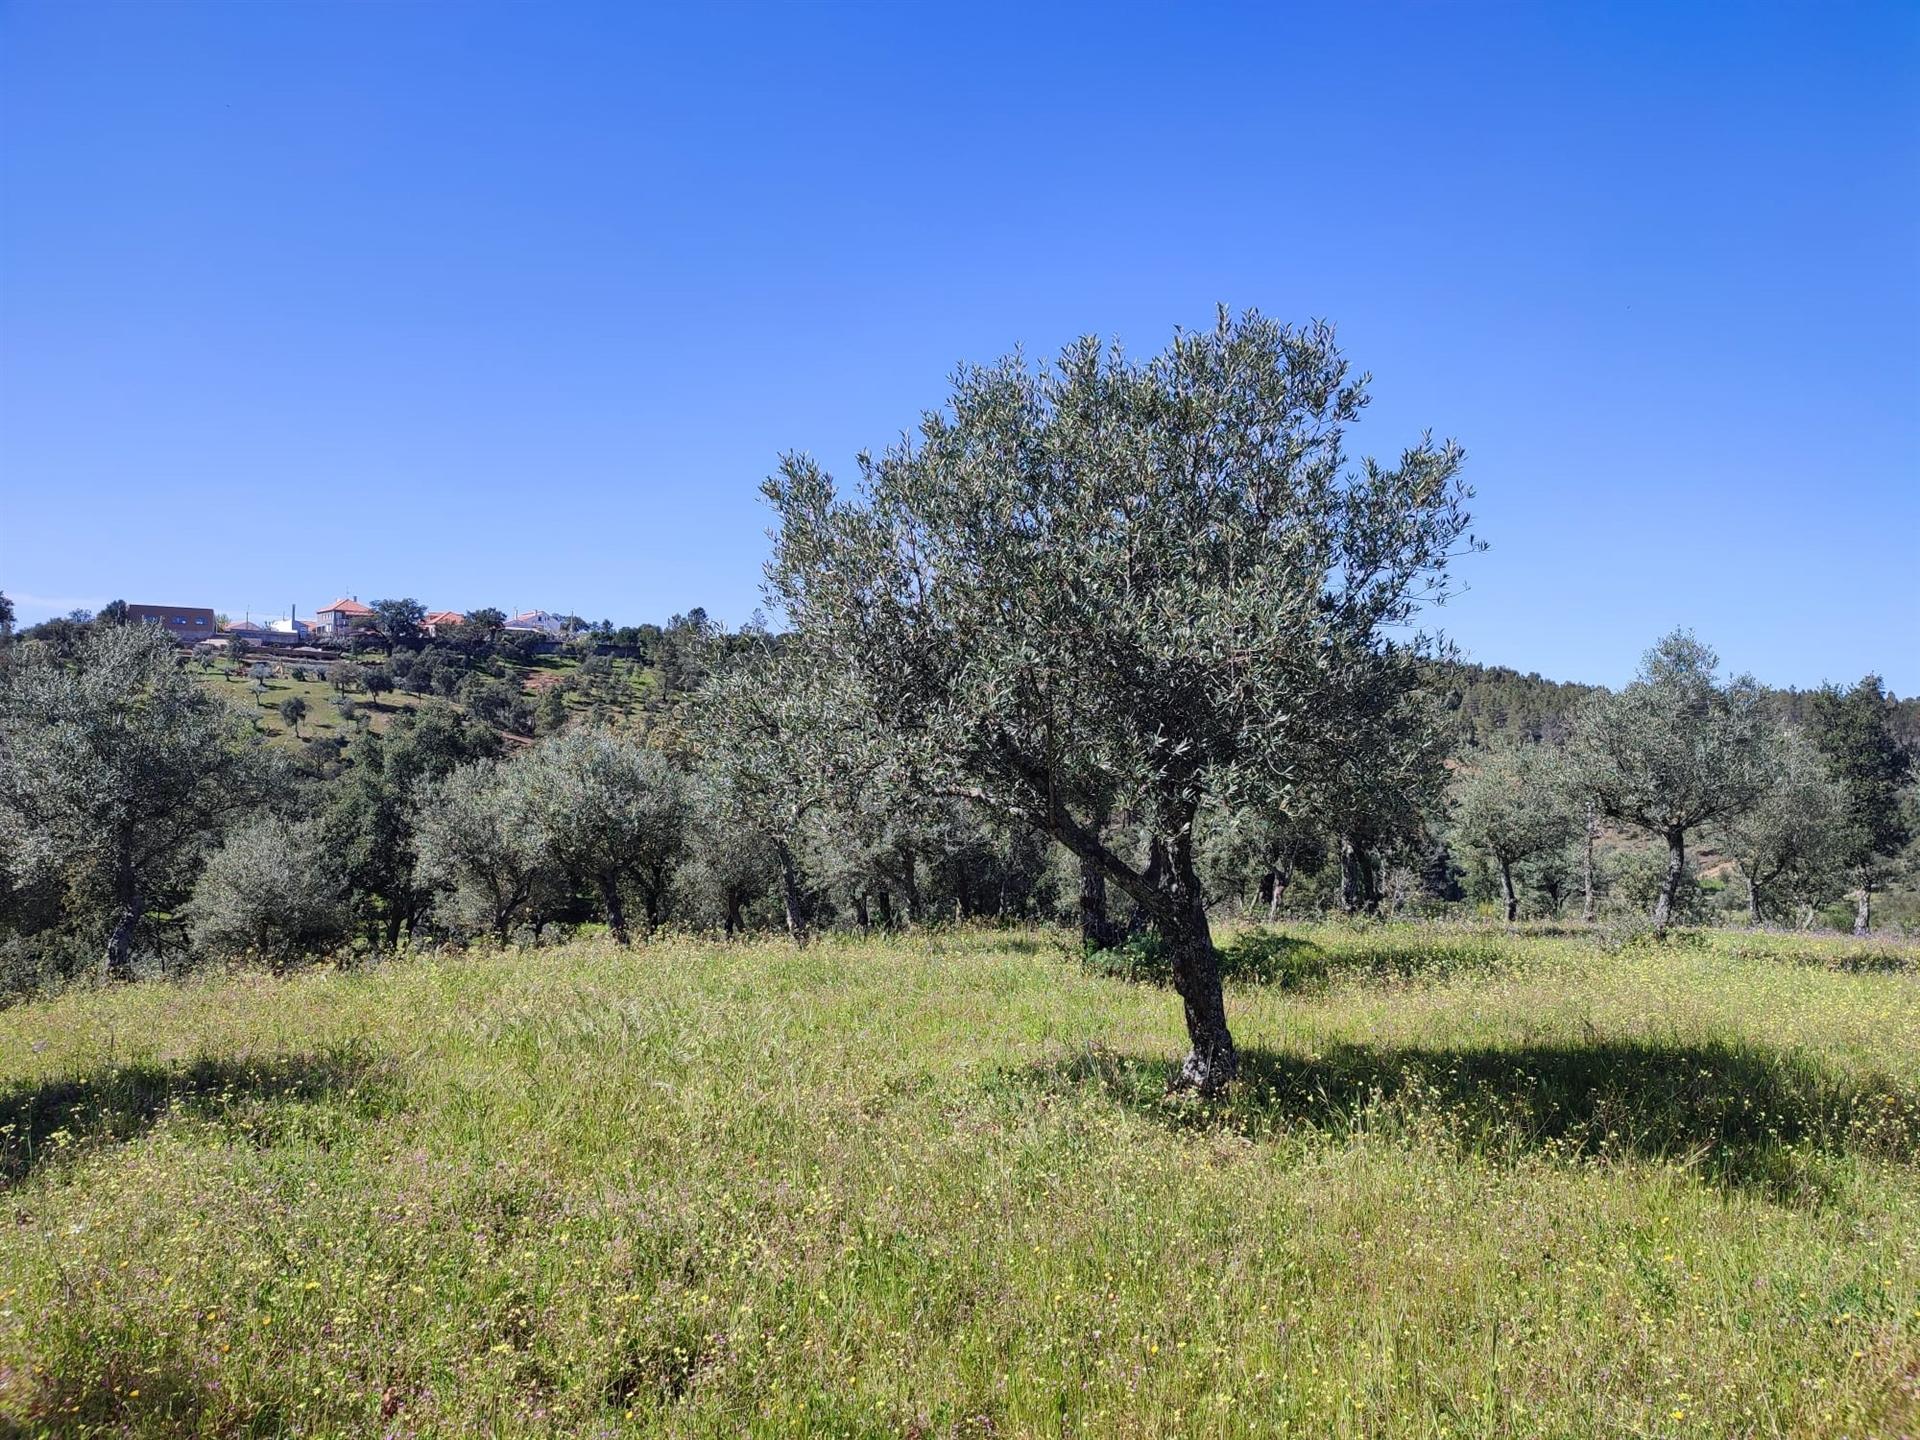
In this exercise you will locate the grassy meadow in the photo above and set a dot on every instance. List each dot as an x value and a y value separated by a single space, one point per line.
1472 1184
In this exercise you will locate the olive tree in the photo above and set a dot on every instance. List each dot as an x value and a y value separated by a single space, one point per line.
730 862
479 838
1853 730
273 891
1128 584
615 817
1797 839
1675 750
772 742
1511 805
117 770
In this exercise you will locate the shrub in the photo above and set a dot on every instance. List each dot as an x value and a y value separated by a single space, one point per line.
1254 957
1265 957
1626 933
273 892
1139 960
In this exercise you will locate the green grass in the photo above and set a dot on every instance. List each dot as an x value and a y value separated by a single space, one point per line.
323 713
1473 1184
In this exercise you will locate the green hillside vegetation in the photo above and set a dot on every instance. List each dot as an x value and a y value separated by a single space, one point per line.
1471 1183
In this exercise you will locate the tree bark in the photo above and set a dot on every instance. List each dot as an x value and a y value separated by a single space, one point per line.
1212 1062
885 897
1587 910
1506 890
860 914
1753 902
614 907
1179 916
733 913
1097 931
1670 885
129 906
790 894
1863 907
1359 879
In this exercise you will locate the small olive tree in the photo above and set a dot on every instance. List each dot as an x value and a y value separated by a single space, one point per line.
480 841
274 891
1854 732
1795 841
1510 802
1675 750
614 815
1124 585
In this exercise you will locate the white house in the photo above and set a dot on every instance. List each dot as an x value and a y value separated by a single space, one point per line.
540 622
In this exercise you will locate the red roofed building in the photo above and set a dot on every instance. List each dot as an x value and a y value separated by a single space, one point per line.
343 617
436 618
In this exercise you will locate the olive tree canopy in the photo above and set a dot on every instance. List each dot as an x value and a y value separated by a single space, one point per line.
117 770
1675 750
1110 586
1513 805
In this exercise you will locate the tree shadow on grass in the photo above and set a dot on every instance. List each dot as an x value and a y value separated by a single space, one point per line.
127 1392
1740 1115
42 1120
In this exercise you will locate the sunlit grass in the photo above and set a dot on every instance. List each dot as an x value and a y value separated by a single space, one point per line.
1474 1183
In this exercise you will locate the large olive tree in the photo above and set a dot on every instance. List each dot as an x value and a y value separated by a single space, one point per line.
1110 585
118 770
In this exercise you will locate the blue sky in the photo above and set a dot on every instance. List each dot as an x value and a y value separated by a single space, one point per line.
516 305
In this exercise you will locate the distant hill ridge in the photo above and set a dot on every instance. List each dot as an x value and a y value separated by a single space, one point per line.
1489 700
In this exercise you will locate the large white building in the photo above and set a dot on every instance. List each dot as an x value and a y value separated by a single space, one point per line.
541 622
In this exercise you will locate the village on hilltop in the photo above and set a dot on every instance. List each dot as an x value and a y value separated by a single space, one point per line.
346 619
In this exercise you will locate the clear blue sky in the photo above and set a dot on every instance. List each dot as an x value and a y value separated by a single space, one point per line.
516 305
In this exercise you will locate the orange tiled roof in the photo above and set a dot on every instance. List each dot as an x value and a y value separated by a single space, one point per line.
445 617
345 607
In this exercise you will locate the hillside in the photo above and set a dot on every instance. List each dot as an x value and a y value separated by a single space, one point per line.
614 692
1477 1184
1486 700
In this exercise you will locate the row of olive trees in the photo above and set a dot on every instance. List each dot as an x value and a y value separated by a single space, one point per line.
141 817
1805 813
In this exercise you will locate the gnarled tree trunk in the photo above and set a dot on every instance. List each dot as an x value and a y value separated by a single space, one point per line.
1212 1061
129 905
1359 878
790 895
1507 891
1180 915
614 907
1863 907
1670 883
1097 930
